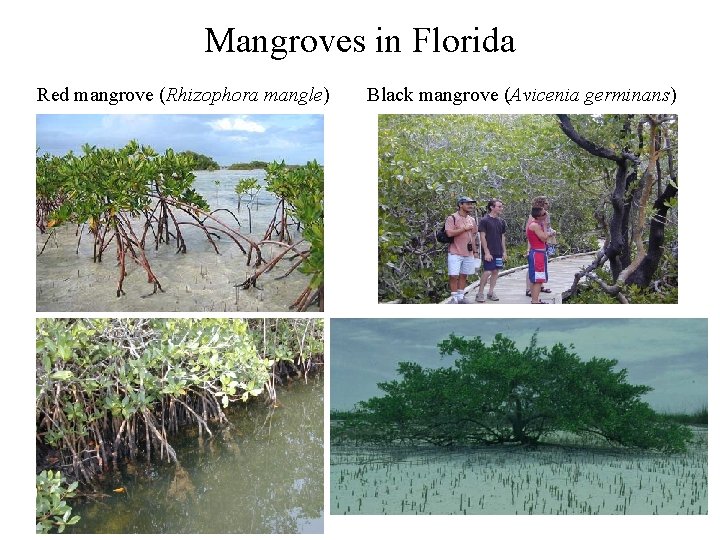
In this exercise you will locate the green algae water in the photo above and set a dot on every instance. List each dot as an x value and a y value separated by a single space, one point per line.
263 474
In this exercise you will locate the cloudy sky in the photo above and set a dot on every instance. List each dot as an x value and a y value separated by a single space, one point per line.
296 139
670 355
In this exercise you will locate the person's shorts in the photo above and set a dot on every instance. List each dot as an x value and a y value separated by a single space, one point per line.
495 264
537 266
457 264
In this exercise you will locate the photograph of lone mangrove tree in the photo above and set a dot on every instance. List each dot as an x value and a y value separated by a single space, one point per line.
179 425
521 416
189 213
609 190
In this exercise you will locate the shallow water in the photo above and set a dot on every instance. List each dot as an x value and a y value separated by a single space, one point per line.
263 475
199 280
497 480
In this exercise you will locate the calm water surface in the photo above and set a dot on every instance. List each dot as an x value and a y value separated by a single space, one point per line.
262 475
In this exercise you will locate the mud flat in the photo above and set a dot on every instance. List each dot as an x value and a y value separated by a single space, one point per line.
557 479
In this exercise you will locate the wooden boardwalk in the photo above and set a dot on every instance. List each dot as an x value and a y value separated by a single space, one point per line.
511 286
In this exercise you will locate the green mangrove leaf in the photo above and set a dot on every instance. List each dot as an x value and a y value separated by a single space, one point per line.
62 375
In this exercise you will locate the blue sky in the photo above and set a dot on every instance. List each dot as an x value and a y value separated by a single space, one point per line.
228 139
670 355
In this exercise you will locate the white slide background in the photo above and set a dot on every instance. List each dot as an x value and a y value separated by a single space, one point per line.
146 45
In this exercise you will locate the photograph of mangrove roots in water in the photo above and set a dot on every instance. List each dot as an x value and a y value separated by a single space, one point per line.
179 425
179 213
519 416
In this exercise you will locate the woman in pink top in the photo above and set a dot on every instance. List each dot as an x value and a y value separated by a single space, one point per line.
544 203
537 254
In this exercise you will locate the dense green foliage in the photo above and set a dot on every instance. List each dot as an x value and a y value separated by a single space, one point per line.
250 166
109 189
426 161
301 194
110 389
498 393
49 191
104 182
698 417
593 293
295 345
51 508
201 162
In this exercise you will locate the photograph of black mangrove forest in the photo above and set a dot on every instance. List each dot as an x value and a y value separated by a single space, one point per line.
519 416
188 213
179 425
606 189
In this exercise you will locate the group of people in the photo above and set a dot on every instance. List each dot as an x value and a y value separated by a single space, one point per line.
466 252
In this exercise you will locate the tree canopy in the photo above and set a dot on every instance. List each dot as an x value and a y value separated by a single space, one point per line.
609 177
497 393
249 166
201 162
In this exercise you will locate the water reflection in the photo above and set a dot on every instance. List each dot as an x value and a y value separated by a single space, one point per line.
264 474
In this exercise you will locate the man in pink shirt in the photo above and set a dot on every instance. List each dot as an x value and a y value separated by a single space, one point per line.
462 252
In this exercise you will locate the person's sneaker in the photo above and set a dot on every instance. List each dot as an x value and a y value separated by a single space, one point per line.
463 300
491 296
452 300
479 297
